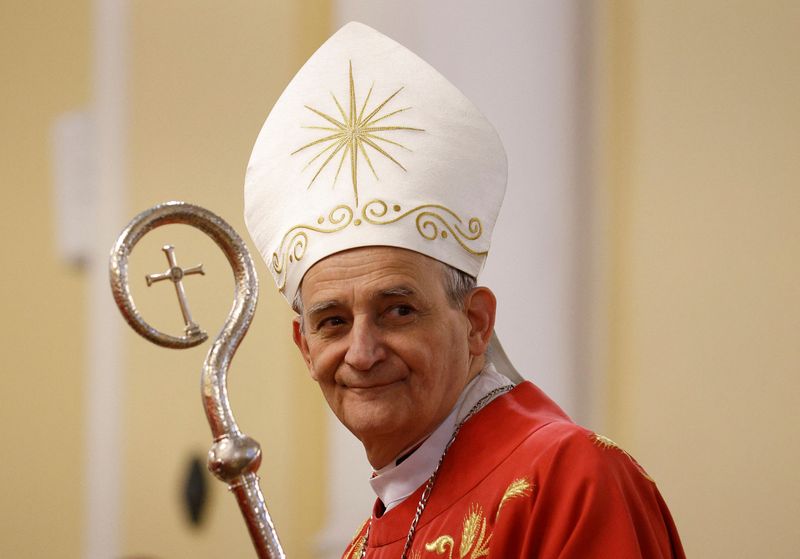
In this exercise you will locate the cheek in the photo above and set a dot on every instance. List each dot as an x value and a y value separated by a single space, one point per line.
425 355
447 354
323 360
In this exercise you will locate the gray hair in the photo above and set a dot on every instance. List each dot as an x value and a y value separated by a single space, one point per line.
457 285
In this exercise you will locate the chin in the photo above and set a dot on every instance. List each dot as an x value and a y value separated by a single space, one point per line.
367 423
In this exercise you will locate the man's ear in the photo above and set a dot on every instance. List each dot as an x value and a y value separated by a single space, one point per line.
480 307
300 341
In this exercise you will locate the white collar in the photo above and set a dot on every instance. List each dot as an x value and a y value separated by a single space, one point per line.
393 483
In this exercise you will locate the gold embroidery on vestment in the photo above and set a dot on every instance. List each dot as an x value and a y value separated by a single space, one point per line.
358 547
440 545
520 487
354 541
606 443
474 541
472 538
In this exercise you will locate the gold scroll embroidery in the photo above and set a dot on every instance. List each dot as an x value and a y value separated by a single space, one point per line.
606 443
352 133
433 222
474 537
440 545
294 243
474 540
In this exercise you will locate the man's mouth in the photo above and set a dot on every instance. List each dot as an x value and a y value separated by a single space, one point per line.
366 386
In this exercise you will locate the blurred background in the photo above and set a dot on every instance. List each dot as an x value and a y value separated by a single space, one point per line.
647 259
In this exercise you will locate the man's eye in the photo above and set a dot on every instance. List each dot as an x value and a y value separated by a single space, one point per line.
330 322
401 310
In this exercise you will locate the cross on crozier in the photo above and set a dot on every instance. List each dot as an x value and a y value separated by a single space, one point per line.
176 274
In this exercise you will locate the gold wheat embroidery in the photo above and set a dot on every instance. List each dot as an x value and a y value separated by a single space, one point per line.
606 443
356 543
474 537
358 546
474 540
473 544
520 487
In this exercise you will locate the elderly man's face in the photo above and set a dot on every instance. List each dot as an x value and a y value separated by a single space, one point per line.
389 350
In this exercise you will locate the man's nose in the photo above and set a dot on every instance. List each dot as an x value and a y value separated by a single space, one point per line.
366 346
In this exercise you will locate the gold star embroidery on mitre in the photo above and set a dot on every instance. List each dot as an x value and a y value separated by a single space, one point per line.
353 134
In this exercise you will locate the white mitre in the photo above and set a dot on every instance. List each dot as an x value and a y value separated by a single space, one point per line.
369 145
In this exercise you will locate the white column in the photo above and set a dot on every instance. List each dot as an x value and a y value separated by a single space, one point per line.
104 367
523 63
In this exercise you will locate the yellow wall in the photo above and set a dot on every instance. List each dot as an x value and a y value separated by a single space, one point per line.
701 172
44 68
704 130
203 78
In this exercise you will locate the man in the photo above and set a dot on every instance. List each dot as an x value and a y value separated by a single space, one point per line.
372 192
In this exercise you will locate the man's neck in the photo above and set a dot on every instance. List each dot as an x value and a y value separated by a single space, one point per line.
411 467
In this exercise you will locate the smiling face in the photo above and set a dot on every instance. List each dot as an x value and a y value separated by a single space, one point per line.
388 348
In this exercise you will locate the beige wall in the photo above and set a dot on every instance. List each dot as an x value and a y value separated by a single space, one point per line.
704 130
203 77
44 68
701 173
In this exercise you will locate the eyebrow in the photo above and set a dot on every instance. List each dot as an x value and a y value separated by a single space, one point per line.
399 291
396 291
322 306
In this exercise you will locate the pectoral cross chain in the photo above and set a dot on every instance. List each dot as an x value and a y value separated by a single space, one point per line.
176 274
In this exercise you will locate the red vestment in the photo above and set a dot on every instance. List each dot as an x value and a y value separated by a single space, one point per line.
523 480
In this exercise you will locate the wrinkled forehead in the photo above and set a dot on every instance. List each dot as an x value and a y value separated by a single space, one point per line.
372 270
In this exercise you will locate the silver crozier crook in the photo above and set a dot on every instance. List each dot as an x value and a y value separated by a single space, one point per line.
234 457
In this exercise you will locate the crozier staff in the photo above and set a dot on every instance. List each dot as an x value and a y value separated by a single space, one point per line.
372 192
